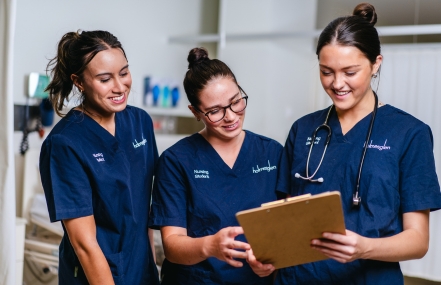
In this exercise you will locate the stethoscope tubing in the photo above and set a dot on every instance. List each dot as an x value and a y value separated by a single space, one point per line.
356 199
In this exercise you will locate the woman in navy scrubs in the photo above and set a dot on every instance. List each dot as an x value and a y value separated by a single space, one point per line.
202 181
387 217
96 166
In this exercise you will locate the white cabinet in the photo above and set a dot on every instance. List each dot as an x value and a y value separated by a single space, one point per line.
20 226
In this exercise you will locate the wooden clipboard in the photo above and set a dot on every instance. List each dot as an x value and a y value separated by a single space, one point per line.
280 232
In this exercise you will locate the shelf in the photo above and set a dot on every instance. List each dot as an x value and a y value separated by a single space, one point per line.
174 112
382 31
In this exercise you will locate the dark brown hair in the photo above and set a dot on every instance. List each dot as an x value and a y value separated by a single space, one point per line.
75 51
201 70
356 30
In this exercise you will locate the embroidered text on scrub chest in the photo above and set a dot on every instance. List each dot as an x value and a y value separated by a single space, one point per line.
266 168
379 147
201 174
99 157
138 144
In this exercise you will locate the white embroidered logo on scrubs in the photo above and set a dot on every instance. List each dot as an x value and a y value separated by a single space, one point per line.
266 168
317 140
379 147
141 143
201 174
99 157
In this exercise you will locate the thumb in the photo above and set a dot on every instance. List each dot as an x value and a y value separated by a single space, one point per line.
235 231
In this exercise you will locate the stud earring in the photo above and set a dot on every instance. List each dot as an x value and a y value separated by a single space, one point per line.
374 75
198 119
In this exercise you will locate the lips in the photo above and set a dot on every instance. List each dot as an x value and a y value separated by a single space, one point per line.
341 93
232 126
118 99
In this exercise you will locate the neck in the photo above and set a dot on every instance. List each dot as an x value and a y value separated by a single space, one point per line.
107 122
219 142
359 111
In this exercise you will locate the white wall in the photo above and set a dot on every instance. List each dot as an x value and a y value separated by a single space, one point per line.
276 74
141 26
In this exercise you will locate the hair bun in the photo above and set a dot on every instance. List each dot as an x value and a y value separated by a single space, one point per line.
366 11
197 55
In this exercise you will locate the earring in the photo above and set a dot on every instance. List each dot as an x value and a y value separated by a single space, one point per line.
374 75
198 119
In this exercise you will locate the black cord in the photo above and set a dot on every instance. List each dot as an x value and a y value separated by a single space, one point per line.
374 113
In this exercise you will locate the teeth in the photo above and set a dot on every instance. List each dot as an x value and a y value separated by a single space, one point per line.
230 126
118 98
341 92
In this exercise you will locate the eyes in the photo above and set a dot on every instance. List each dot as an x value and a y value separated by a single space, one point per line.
329 73
107 78
217 110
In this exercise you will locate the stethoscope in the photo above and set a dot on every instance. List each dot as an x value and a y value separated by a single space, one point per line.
356 199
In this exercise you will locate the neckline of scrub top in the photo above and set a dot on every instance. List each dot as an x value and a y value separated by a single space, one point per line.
335 125
217 159
96 128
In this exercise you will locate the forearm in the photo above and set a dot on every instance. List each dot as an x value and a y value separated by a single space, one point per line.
409 244
152 243
95 265
186 250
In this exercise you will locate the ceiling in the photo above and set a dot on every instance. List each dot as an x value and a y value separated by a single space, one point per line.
389 13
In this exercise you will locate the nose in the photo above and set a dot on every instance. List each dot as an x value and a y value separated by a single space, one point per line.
229 115
118 86
338 82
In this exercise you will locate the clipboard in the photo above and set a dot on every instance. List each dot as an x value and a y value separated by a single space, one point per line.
280 232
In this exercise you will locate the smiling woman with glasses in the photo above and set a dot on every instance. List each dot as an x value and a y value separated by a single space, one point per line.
205 179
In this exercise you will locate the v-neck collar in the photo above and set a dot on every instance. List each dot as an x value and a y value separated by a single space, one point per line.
97 129
216 159
354 132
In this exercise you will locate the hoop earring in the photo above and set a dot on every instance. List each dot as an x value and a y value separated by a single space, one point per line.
375 75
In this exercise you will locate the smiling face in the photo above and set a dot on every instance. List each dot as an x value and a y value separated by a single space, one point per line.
106 83
221 92
345 74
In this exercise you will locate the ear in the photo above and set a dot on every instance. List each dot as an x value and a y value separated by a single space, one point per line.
77 82
196 114
377 64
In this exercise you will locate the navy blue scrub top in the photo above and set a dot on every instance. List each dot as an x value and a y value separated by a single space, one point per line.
398 177
87 171
195 189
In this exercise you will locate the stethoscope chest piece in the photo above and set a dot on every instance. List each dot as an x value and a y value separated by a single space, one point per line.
356 200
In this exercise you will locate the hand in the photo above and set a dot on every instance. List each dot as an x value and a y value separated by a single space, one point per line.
262 270
343 248
223 246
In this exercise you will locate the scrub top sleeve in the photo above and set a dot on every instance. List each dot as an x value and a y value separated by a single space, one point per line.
169 198
284 175
418 180
65 181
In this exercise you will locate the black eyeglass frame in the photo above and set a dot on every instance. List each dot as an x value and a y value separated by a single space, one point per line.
226 107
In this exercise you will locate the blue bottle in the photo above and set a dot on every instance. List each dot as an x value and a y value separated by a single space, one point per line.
175 96
156 92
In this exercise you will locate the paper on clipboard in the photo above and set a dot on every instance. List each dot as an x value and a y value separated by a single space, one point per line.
280 232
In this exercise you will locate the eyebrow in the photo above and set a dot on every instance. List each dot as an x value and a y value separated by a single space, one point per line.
347 67
219 106
109 73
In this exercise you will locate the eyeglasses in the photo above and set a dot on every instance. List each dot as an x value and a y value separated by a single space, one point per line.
237 106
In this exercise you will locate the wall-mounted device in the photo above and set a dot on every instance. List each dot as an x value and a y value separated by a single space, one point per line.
37 83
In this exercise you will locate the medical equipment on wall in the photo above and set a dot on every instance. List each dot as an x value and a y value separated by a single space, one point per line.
37 84
356 199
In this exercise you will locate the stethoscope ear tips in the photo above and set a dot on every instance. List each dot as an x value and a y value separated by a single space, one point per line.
320 179
296 175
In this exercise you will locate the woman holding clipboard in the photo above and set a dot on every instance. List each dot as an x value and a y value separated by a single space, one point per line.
379 157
